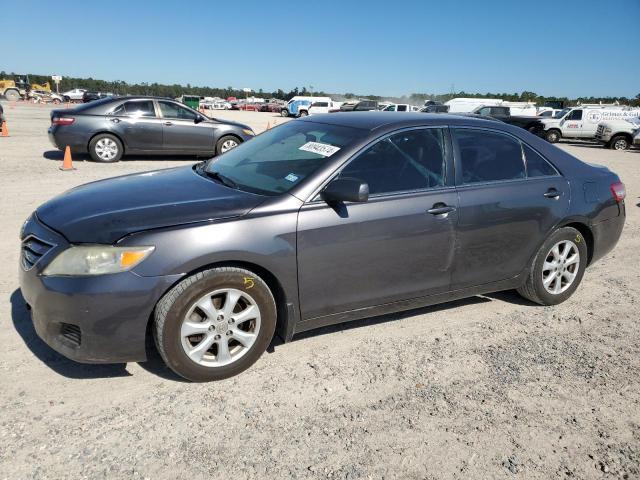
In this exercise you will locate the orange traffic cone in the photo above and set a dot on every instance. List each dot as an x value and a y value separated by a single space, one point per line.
67 163
268 126
5 130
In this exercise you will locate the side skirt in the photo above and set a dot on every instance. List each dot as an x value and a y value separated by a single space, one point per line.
409 304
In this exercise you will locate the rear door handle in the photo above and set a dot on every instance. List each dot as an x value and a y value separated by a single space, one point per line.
168 124
441 209
552 193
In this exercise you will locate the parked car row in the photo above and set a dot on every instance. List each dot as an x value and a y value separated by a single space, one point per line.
111 127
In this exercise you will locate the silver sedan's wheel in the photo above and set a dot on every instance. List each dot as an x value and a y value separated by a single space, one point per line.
106 149
220 327
560 267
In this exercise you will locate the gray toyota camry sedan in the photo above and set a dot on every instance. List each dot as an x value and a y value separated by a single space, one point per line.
322 220
112 127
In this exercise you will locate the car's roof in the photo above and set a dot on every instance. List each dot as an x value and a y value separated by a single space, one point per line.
373 120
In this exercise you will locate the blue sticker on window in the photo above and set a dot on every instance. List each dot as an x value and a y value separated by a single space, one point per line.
291 177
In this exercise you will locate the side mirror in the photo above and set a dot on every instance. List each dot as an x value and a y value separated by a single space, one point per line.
346 190
199 119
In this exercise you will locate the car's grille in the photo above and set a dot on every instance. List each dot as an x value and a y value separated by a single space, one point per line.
71 333
32 250
600 130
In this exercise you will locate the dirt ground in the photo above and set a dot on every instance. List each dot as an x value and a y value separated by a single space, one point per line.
488 387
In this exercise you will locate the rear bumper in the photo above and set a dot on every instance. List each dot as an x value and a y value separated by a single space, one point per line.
607 233
60 137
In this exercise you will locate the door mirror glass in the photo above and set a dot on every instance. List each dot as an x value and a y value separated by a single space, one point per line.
346 190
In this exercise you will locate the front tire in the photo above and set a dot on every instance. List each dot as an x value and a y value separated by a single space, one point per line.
557 269
619 142
106 148
284 112
226 143
553 136
215 324
12 95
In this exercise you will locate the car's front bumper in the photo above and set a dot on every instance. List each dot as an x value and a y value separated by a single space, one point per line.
100 319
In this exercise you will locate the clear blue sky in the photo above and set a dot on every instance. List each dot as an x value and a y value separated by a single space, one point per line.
552 47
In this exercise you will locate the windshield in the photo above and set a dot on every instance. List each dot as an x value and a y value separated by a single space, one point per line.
277 160
562 113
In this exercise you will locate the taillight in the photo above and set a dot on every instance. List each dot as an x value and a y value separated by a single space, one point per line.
62 121
618 191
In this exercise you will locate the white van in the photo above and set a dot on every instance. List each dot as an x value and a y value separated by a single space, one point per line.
582 121
618 134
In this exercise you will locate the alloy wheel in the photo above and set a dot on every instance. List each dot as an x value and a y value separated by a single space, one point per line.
620 144
220 327
560 267
228 145
106 149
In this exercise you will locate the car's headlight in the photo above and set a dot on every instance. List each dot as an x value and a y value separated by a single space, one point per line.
607 130
248 132
96 260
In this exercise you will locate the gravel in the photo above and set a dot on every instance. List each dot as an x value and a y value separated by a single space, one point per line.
487 387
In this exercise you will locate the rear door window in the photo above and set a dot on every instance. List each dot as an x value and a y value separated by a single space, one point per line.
139 108
487 156
537 166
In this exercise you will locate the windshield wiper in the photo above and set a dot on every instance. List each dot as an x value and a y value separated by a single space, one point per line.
222 179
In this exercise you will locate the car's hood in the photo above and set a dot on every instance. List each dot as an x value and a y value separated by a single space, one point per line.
228 122
107 210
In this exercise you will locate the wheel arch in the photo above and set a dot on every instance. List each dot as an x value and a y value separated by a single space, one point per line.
586 232
285 307
626 135
124 145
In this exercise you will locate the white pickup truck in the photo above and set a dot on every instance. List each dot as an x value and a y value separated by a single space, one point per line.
618 134
324 106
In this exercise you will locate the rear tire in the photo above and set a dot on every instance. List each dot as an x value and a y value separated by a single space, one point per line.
619 142
552 278
303 113
106 148
215 341
553 136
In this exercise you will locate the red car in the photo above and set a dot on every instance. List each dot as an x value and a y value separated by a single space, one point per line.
249 107
271 107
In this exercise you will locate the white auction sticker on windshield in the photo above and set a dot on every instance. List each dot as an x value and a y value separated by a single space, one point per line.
319 148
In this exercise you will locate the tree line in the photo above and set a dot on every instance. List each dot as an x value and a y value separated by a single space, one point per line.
120 87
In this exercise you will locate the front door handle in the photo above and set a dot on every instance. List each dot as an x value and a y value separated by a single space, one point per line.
115 120
167 124
441 209
552 193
